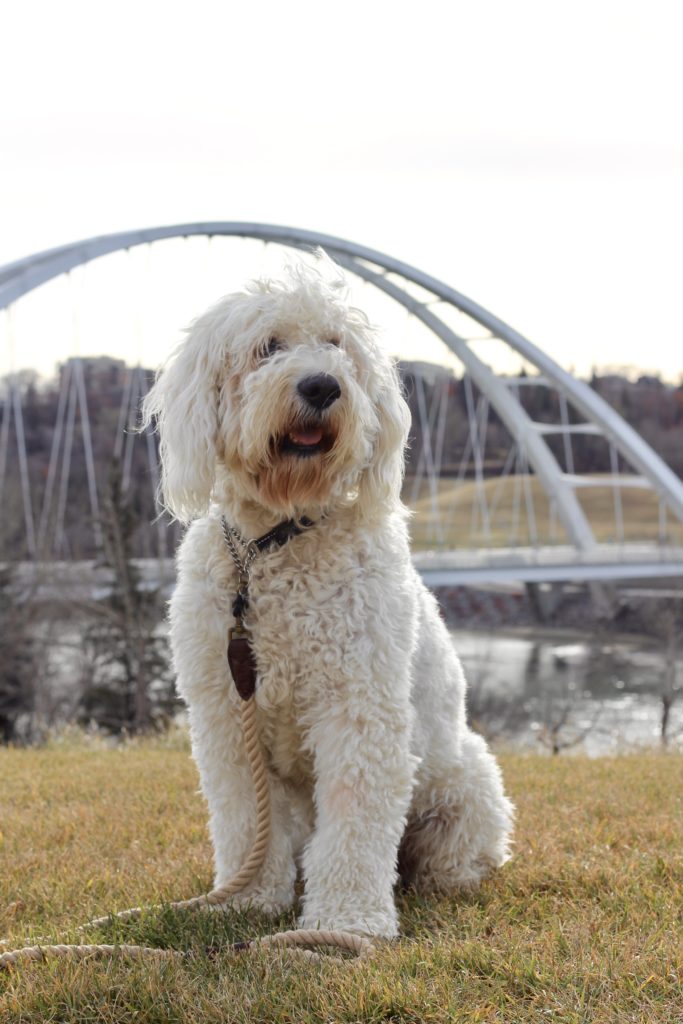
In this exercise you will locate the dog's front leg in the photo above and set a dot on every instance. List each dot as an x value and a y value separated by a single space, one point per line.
218 747
198 634
364 778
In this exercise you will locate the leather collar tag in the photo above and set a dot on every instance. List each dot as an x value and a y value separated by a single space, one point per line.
242 663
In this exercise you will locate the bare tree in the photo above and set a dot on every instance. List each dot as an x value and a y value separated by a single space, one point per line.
18 657
668 621
131 687
559 731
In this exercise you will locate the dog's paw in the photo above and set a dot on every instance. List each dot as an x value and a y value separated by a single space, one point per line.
372 923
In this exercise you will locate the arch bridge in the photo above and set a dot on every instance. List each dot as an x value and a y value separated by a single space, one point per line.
528 476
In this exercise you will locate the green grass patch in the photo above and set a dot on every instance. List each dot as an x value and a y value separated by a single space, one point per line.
585 924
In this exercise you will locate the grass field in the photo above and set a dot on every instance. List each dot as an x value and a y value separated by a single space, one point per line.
585 924
457 513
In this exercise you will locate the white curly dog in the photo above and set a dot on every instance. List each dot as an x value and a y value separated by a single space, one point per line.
281 404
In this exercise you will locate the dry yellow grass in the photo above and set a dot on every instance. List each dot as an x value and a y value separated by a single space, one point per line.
583 925
459 513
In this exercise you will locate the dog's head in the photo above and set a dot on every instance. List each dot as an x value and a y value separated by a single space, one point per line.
284 388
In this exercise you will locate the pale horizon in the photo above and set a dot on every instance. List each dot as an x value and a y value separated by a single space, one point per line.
531 159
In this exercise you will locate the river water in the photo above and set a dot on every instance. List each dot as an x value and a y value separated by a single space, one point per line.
536 690
530 688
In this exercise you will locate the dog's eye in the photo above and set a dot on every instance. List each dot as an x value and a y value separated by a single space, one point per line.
273 346
334 341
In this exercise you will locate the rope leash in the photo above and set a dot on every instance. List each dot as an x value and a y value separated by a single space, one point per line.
303 942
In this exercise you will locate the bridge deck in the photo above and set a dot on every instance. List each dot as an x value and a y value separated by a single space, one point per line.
54 581
549 564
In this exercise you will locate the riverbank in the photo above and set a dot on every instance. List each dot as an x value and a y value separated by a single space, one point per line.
562 689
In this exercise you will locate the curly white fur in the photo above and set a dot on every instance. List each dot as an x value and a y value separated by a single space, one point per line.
361 696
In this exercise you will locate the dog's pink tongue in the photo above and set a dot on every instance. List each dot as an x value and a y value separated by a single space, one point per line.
307 437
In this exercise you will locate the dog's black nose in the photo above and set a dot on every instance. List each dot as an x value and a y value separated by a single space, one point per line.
320 391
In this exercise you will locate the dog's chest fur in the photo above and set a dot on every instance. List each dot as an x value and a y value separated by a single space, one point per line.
306 604
312 612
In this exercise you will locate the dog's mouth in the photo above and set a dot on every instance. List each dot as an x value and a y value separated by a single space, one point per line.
305 439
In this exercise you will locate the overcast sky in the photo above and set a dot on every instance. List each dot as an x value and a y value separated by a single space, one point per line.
528 153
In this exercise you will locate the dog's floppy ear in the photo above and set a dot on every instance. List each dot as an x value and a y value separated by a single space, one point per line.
184 402
380 484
